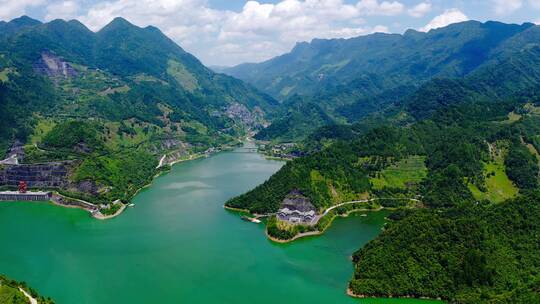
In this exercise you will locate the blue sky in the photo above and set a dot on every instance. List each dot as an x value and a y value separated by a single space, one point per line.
228 32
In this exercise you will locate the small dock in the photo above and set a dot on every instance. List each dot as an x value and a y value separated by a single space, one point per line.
251 219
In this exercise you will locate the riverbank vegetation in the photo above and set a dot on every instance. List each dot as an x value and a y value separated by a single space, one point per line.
11 293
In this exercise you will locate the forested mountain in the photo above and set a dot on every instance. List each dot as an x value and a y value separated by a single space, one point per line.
352 78
133 92
477 254
471 168
457 157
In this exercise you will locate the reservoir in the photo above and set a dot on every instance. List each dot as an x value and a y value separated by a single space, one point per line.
178 245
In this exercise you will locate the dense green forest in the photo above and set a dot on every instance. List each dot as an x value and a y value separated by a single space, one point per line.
466 146
10 293
455 142
473 254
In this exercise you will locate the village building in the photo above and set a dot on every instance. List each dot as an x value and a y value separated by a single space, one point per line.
297 209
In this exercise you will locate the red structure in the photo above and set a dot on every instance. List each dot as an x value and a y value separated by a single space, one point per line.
23 187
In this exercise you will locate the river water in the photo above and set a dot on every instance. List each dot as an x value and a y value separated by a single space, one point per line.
178 245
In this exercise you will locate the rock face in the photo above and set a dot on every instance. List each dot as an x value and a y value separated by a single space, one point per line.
15 155
50 175
53 66
295 200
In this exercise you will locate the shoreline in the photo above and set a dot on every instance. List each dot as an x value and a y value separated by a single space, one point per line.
28 296
317 233
331 221
351 294
237 209
102 217
296 237
94 210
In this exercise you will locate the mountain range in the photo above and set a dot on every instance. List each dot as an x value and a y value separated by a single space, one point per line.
350 79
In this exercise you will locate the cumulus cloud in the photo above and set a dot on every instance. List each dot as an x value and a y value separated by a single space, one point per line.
420 10
257 32
10 9
385 8
62 10
449 16
503 7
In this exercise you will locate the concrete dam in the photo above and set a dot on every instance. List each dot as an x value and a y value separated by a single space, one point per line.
28 196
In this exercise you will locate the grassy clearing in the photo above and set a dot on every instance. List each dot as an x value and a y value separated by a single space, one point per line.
140 132
513 117
534 151
182 76
498 186
532 109
110 91
402 174
147 78
4 74
43 127
11 295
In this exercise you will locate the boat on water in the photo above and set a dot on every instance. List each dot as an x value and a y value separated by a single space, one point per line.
131 205
250 219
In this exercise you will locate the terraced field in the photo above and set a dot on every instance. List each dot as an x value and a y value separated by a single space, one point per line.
402 174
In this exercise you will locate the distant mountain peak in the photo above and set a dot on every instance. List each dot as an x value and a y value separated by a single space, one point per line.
25 20
119 22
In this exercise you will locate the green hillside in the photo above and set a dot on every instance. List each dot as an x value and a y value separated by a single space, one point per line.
114 102
453 142
480 254
350 79
10 293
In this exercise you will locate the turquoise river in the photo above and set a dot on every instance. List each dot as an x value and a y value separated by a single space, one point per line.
179 245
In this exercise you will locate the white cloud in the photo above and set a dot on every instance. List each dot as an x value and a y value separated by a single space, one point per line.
10 9
62 10
420 10
535 3
449 16
503 7
257 32
385 8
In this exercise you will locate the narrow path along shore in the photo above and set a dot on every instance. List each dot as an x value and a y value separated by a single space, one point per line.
351 293
69 202
98 215
296 237
366 201
30 298
161 160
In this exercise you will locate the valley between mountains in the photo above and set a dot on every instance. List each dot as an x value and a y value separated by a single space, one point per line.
441 130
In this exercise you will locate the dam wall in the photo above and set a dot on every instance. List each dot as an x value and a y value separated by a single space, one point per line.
28 196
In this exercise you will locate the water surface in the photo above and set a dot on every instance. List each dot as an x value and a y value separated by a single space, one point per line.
178 245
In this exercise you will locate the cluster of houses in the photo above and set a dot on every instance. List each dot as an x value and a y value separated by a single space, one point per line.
297 209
